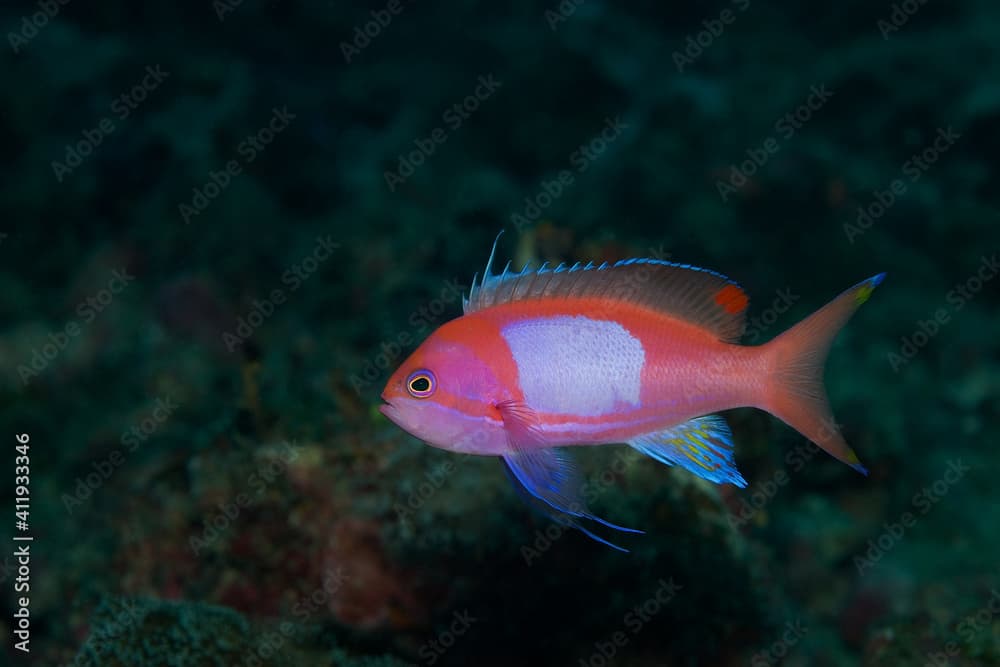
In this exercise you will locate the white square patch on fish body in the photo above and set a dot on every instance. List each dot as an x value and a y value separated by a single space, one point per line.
576 365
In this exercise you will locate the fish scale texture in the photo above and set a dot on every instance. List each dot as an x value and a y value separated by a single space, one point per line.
576 365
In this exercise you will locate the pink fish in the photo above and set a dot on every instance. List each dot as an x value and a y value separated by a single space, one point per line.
641 352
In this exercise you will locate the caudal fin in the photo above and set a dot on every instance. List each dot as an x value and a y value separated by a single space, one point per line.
796 357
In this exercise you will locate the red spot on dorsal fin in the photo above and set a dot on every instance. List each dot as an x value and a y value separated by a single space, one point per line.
732 299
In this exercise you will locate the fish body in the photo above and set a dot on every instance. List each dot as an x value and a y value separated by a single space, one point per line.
641 352
596 379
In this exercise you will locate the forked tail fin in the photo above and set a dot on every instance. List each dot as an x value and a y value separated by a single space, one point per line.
796 359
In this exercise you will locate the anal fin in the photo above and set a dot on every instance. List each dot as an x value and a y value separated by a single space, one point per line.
703 445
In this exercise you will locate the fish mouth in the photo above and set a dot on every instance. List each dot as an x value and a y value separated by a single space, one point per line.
387 408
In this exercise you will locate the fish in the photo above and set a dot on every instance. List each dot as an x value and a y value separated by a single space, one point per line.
642 352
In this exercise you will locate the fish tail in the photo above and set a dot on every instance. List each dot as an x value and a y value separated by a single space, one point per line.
795 392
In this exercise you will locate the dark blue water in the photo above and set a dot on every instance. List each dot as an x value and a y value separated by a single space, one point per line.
223 225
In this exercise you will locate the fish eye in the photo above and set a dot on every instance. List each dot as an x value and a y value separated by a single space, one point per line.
421 384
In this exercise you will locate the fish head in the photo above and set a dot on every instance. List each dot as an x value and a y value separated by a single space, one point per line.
445 393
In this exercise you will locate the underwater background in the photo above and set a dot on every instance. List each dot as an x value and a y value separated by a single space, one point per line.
224 224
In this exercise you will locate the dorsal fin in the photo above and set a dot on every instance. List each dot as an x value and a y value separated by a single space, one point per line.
699 296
